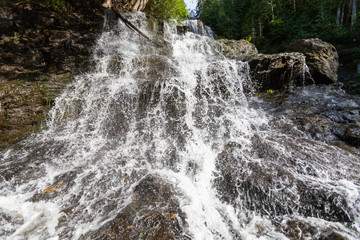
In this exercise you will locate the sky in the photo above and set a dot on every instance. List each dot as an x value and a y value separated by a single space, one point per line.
190 4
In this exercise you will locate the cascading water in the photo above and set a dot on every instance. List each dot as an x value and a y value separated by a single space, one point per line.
160 142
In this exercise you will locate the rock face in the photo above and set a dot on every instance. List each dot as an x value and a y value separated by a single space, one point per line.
352 135
238 49
326 113
279 71
42 45
321 57
152 214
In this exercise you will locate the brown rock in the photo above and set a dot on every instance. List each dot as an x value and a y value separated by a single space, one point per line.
279 71
181 30
321 57
41 47
238 49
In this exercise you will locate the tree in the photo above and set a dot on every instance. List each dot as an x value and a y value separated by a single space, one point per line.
167 9
277 22
353 15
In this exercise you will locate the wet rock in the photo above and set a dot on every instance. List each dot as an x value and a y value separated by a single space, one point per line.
61 185
272 189
181 30
238 49
325 113
352 135
279 71
42 46
153 67
321 57
297 229
153 214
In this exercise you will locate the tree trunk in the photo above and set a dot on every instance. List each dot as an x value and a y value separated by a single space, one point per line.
294 5
338 14
348 15
353 15
260 28
252 28
342 14
272 10
107 4
139 5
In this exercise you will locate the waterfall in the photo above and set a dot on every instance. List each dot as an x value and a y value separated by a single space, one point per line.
198 27
161 142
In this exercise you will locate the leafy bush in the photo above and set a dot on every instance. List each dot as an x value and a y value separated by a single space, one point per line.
167 9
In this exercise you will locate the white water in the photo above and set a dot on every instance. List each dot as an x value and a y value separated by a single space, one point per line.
169 112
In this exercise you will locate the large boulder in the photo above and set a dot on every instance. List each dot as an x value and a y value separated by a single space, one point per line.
238 49
321 57
279 71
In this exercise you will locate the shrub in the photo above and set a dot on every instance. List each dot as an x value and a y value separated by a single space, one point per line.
167 9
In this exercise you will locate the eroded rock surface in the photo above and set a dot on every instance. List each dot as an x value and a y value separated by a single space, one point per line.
321 57
153 214
238 49
326 113
42 46
279 71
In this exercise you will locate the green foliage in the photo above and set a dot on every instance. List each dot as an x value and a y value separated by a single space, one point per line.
248 39
273 24
167 9
14 37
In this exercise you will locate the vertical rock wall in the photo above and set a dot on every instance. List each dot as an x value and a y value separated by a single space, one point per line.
41 47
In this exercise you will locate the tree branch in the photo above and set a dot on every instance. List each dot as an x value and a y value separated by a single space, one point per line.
133 27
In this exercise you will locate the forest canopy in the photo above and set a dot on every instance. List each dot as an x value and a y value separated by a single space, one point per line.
271 23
